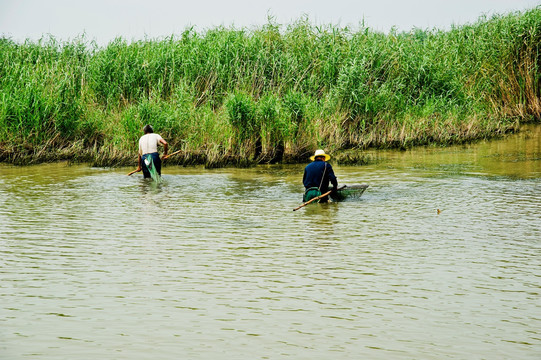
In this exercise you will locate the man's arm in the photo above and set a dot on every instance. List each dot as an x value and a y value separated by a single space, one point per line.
333 179
139 162
165 147
334 183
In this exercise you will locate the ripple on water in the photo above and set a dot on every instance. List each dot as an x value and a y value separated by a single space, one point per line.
215 264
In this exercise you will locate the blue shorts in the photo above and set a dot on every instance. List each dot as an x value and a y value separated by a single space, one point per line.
156 161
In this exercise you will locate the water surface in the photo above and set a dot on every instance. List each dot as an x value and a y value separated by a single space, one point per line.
439 259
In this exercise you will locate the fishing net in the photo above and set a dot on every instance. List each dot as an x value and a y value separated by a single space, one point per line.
152 169
349 192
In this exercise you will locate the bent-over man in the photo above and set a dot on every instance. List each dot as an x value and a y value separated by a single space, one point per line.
149 158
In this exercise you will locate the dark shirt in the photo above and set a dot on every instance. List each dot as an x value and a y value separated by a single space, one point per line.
313 173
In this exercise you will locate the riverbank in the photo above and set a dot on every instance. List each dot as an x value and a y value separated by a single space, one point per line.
271 94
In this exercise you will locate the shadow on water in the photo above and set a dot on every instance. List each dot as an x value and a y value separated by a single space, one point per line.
149 186
321 213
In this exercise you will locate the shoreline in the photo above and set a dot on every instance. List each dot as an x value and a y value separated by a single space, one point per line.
117 159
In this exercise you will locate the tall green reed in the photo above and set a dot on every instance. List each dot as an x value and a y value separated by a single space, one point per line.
274 92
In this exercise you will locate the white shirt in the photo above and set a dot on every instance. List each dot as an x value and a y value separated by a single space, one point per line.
148 143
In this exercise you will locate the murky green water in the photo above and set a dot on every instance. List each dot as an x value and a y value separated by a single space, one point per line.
214 264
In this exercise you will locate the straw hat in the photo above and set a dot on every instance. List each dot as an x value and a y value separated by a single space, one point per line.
320 152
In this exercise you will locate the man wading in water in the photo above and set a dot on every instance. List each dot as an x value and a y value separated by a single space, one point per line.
149 159
317 176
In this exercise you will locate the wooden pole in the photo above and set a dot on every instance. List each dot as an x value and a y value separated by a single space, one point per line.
169 155
311 200
318 197
165 157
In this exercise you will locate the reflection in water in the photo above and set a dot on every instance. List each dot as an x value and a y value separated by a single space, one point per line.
215 264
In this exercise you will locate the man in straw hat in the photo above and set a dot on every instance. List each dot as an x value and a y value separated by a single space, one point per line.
317 175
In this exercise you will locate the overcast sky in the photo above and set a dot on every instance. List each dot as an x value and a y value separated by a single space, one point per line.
103 20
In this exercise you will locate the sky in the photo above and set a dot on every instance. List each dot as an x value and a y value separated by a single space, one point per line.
104 20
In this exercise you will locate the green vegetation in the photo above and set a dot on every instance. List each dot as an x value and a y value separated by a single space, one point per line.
271 94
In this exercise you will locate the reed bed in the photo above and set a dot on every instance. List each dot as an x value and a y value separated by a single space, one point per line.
269 94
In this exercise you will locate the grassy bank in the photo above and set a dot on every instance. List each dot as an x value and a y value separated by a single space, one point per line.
269 94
